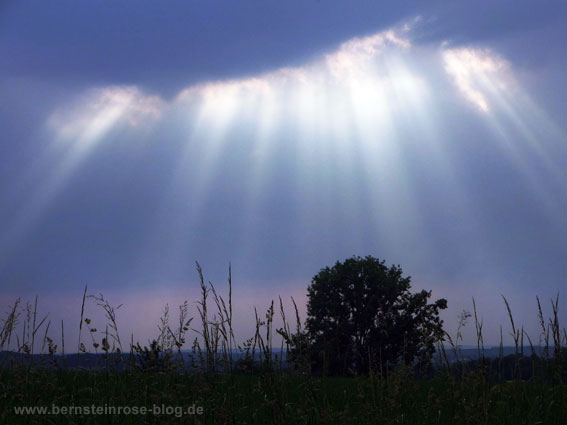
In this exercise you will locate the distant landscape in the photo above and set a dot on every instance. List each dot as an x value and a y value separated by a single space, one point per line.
99 361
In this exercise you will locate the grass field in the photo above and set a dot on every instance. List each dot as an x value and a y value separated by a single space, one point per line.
280 399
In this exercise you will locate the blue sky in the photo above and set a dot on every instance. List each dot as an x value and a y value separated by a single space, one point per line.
281 136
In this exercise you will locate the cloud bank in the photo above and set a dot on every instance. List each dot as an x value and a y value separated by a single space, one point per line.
360 62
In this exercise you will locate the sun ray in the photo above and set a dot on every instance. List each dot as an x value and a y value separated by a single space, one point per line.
347 138
78 132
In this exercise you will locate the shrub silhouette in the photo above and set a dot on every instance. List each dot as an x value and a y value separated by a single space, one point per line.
362 317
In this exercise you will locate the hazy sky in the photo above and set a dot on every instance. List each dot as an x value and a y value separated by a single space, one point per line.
140 136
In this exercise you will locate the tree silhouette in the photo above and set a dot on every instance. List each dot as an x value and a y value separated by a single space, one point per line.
362 316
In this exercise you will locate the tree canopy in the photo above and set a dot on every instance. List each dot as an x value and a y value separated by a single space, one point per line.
361 315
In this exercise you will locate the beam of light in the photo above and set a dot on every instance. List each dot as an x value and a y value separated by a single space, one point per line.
85 122
350 123
468 67
485 80
418 115
77 132
222 105
268 110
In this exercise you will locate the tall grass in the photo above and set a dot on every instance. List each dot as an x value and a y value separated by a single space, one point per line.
252 382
